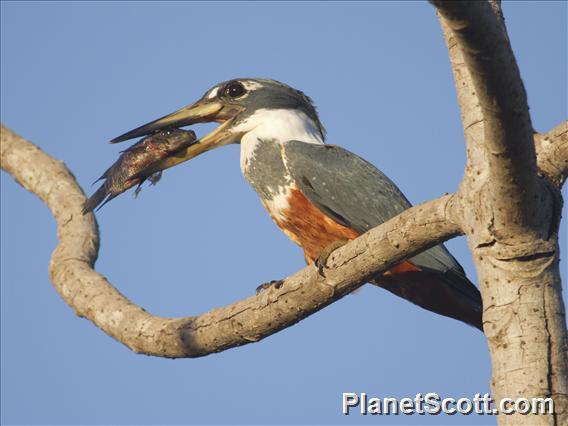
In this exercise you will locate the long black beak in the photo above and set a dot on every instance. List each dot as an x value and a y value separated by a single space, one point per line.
202 111
199 112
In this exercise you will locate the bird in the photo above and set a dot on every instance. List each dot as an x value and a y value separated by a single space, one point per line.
320 195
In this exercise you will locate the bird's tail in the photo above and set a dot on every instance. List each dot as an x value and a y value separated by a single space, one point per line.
445 293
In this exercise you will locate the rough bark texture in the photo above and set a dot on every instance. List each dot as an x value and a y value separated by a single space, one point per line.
304 293
511 215
508 205
510 159
552 154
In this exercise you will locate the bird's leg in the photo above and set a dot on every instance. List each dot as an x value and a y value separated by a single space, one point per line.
265 286
321 261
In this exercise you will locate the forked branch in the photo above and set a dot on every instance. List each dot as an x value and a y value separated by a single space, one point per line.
552 153
304 293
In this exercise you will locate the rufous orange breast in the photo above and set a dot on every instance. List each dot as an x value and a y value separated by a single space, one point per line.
306 225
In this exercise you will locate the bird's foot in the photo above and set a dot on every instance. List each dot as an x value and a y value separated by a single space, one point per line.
321 261
274 283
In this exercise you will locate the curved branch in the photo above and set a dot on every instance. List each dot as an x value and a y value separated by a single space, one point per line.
552 153
508 134
304 293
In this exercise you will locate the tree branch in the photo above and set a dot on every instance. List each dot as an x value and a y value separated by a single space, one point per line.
304 293
508 133
552 153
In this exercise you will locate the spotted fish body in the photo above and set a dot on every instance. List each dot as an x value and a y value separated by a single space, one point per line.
138 163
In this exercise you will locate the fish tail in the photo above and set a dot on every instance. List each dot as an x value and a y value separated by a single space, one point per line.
110 197
95 199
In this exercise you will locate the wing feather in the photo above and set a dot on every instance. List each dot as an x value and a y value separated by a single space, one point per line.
355 194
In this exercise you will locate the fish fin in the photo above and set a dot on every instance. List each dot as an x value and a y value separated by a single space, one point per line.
147 172
105 174
139 188
154 178
133 147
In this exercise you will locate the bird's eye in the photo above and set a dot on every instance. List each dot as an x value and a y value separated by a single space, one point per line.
235 89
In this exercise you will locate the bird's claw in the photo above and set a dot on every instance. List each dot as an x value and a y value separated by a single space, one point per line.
321 261
265 286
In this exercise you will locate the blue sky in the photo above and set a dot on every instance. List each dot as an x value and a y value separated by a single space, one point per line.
75 75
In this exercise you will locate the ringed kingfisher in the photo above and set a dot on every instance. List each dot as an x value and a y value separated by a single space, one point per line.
320 195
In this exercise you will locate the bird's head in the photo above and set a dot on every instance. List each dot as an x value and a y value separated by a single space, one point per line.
238 106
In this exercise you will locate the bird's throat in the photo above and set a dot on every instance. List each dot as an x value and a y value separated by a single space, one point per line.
278 126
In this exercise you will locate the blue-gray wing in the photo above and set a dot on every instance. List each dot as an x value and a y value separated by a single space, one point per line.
354 193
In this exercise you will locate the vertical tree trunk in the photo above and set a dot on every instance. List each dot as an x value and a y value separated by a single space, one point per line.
513 237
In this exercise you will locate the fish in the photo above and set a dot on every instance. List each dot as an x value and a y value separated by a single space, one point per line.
138 163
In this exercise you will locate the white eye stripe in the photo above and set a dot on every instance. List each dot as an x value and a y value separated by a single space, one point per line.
213 92
248 85
251 85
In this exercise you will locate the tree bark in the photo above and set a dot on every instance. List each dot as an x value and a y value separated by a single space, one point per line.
511 215
552 154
